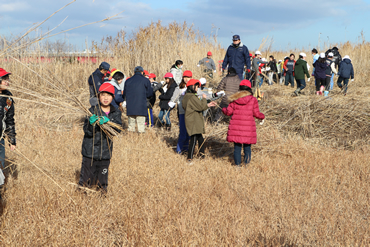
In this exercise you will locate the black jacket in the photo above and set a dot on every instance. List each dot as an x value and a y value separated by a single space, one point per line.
151 100
346 69
95 81
7 116
96 145
165 97
272 65
337 58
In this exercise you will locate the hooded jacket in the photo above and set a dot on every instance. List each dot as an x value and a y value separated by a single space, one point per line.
96 145
118 96
300 70
177 74
165 97
243 109
137 90
236 57
320 70
346 69
194 107
229 84
7 116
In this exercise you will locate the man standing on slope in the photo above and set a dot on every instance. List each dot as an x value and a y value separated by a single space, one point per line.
237 56
208 64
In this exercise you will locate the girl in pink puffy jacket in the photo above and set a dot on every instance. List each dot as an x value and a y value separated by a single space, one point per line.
242 128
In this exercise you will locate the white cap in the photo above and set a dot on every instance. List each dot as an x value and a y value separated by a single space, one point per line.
302 54
264 59
203 81
322 55
346 57
280 60
257 53
330 54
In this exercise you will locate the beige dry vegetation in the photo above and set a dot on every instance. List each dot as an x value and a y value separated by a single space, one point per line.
307 184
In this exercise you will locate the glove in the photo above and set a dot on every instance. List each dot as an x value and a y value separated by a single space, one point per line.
198 65
221 93
103 120
352 79
162 82
214 71
172 104
308 79
261 123
93 119
248 70
124 104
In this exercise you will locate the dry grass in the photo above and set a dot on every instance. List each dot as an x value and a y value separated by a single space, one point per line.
301 188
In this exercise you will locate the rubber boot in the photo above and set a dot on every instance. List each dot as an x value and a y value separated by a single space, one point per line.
317 92
296 92
322 89
326 93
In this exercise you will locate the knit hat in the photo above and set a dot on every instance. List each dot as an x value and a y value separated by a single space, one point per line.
168 75
245 83
209 53
187 73
146 72
3 72
203 81
105 65
322 55
138 69
192 82
107 87
152 76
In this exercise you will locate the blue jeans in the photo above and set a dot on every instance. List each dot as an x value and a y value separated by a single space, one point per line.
331 81
240 75
183 142
166 114
2 153
238 153
289 78
301 83
345 82
261 82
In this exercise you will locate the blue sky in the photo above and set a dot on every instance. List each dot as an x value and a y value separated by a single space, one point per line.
292 24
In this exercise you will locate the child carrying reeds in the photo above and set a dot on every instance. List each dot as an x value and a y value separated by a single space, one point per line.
194 120
96 146
242 128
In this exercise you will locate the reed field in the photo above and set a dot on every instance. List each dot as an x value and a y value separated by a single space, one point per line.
307 184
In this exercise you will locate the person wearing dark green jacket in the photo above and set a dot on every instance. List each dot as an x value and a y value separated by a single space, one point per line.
194 120
301 69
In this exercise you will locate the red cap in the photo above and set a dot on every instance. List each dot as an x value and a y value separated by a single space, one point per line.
152 75
146 72
245 83
250 54
192 82
168 75
3 72
107 87
187 73
209 53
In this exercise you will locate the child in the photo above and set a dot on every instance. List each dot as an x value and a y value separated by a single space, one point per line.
116 81
289 70
320 74
96 146
194 120
300 70
242 128
151 100
165 98
7 118
345 72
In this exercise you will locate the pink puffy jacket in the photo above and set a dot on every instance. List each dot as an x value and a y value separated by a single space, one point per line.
243 108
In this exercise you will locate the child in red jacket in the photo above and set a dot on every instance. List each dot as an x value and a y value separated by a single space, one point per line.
242 128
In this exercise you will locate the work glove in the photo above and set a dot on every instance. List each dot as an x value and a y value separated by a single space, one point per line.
352 79
248 70
172 104
214 71
93 119
103 120
262 122
162 82
124 104
220 94
2 177
198 65
308 79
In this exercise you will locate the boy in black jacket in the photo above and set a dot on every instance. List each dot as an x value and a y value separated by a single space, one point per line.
96 146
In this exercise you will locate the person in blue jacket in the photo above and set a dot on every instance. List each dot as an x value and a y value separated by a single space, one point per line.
116 81
345 73
95 80
237 56
137 89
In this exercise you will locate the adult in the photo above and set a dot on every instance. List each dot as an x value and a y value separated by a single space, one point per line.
273 69
289 70
301 70
337 58
237 56
208 65
345 72
137 90
176 71
95 80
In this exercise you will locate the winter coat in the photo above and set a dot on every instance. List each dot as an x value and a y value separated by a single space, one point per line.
7 116
179 104
229 84
256 65
243 109
177 74
151 100
137 90
95 81
96 145
289 66
194 107
300 70
236 57
118 96
337 58
272 65
320 70
165 97
346 69
208 63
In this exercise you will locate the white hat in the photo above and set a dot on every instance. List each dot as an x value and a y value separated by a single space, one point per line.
203 81
280 60
302 54
330 54
346 57
257 53
322 55
264 59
